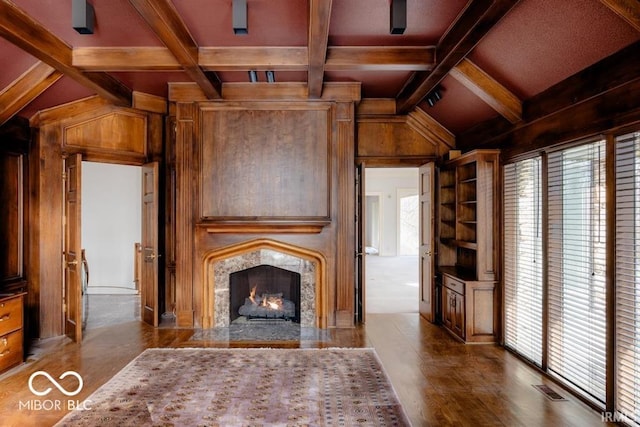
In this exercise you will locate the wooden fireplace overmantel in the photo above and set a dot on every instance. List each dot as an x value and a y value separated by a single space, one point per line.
214 255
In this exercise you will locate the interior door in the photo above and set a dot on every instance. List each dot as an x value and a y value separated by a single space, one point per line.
149 268
72 305
360 244
427 266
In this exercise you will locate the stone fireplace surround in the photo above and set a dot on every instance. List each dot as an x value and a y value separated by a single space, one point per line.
310 264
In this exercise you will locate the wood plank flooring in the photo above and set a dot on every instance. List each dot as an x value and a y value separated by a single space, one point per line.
439 381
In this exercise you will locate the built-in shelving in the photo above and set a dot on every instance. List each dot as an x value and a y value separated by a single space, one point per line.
467 253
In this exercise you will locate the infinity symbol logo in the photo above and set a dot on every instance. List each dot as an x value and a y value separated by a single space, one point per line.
55 383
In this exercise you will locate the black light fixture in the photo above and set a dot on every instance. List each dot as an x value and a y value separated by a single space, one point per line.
398 16
271 76
434 96
239 17
253 76
82 16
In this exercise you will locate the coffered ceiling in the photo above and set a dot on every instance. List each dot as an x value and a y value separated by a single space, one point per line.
488 58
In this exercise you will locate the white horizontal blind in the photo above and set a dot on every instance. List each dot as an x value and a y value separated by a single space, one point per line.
523 258
628 277
576 279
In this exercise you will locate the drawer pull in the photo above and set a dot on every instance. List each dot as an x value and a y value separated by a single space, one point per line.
4 353
4 342
5 317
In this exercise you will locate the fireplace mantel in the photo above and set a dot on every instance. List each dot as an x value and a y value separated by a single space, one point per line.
214 256
265 227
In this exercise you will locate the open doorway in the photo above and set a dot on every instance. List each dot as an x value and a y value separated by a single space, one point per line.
111 232
392 240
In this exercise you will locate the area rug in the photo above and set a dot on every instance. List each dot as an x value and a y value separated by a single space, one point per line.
245 387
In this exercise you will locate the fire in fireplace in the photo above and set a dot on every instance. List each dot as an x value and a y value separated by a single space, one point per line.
267 306
264 292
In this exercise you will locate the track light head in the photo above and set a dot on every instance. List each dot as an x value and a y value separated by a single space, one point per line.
253 76
239 12
82 16
434 96
271 76
398 16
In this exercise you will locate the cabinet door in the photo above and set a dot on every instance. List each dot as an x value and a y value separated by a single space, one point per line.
447 313
457 308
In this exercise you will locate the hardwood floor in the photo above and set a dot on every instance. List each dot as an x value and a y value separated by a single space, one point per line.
439 381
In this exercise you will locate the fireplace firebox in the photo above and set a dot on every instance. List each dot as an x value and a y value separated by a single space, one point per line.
264 292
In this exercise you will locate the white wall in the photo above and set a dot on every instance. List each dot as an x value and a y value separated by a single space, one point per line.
111 216
386 182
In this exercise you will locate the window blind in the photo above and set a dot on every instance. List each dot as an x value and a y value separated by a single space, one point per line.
523 259
628 276
576 271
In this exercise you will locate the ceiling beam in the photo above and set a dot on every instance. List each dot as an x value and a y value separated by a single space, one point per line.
477 19
629 10
254 58
23 31
613 73
319 17
165 21
488 89
379 58
125 59
277 58
25 89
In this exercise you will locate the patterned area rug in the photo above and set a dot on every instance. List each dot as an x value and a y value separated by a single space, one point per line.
246 387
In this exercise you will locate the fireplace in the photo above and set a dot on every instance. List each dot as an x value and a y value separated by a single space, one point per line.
264 292
245 262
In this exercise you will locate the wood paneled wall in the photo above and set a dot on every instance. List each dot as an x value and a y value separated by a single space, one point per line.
395 140
13 204
265 160
100 132
242 156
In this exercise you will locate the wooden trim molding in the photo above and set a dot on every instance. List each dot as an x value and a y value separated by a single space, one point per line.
252 245
265 227
332 91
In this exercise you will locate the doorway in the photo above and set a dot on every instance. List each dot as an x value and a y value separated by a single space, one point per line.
111 234
392 240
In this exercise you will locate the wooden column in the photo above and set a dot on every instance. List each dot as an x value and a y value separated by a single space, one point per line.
45 219
185 263
345 220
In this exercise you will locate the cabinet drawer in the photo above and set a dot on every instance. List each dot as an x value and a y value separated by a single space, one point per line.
10 350
453 284
10 315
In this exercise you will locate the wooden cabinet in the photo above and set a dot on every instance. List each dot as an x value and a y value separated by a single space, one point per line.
467 255
11 331
453 311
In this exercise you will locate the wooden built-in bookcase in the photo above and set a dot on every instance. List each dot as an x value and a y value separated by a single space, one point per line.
467 251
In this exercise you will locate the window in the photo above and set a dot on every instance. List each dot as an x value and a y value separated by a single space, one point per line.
523 258
577 268
627 284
